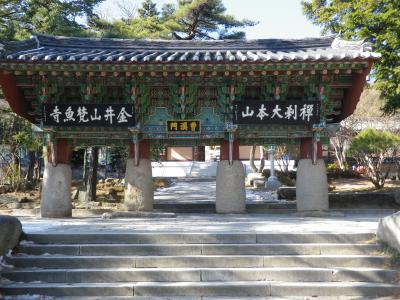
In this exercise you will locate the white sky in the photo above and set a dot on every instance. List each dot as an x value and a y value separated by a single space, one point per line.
278 18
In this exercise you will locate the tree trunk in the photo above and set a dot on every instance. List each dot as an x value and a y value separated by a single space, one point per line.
252 154
92 175
31 167
37 169
84 170
262 160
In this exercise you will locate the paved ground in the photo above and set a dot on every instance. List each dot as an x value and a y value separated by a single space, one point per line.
203 191
271 223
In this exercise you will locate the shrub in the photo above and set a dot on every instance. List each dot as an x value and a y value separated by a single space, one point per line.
334 171
370 147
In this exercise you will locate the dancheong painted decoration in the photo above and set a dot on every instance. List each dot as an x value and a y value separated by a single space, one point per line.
149 95
111 92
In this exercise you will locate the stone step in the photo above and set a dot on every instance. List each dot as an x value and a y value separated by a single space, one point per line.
243 289
198 238
201 274
198 249
228 289
208 298
198 261
67 289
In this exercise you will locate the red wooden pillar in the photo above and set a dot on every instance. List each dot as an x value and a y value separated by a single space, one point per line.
59 152
224 154
144 149
306 148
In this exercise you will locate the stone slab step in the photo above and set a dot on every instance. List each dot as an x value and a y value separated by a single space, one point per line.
63 289
199 261
198 249
199 238
229 289
201 274
24 297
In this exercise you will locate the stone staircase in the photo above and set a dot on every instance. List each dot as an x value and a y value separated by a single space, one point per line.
233 265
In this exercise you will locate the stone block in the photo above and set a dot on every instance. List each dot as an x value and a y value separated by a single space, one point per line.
287 193
10 233
34 249
230 194
249 261
232 289
140 249
139 191
389 230
132 275
259 183
56 191
65 289
311 186
330 289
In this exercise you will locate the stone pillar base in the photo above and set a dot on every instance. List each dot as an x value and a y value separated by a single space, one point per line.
231 194
56 191
139 190
311 186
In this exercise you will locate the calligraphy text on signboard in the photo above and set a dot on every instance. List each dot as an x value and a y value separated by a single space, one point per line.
276 112
102 115
189 126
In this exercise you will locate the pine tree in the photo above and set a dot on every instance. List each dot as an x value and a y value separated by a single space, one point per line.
148 9
376 21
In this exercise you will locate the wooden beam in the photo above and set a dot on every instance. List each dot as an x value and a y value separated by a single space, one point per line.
14 96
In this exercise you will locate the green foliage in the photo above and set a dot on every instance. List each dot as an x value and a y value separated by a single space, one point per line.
117 157
16 137
370 147
148 9
188 19
394 255
333 170
376 21
207 19
18 19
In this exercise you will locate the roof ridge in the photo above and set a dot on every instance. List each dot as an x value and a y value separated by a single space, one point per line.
41 36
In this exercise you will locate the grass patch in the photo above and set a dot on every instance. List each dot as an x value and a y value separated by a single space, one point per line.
393 253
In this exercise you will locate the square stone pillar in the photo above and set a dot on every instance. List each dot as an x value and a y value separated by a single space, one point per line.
139 189
230 182
56 186
311 179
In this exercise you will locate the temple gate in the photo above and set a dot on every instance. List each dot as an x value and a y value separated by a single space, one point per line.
105 92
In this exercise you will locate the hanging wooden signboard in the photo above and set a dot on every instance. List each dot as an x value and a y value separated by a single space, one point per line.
276 112
88 115
183 126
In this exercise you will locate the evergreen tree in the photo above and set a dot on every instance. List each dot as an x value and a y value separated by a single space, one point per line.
206 19
148 9
377 21
189 19
19 18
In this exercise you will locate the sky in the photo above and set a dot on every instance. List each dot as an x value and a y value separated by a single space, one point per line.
278 18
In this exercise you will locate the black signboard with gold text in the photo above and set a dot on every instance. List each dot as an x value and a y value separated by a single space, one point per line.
276 112
102 115
183 126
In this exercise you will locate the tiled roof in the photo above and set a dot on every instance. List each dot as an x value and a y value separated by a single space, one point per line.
50 48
